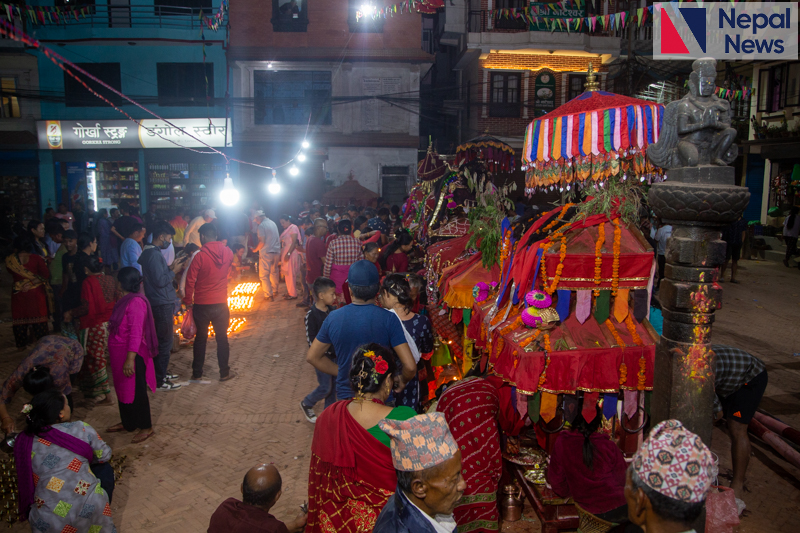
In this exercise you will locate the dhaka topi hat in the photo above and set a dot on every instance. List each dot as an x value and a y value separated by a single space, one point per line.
421 442
363 274
674 462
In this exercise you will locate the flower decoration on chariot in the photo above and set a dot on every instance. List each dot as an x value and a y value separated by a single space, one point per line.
538 299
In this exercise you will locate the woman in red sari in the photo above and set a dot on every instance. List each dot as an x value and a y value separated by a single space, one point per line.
473 407
351 475
99 293
31 296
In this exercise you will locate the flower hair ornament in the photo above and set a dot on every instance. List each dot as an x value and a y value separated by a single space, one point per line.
27 408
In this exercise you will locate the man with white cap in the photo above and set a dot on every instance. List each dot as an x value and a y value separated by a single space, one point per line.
429 481
192 233
667 482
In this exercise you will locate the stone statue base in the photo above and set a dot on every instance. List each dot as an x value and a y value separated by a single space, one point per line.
697 202
706 174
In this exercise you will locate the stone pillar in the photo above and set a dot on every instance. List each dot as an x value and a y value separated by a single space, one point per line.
697 202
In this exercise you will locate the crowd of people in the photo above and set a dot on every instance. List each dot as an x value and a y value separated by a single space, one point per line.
383 458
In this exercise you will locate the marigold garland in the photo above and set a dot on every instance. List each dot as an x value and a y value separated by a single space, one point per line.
557 218
641 378
515 354
561 255
543 375
500 344
598 256
526 342
614 333
505 249
615 267
632 330
623 374
499 316
511 327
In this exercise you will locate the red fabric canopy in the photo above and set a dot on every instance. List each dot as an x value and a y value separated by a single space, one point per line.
593 101
593 365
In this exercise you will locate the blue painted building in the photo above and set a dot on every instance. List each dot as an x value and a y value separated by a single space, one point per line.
154 52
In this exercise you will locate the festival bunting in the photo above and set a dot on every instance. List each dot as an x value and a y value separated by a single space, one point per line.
41 15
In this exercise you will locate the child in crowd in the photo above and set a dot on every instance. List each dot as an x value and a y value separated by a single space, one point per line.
237 266
324 290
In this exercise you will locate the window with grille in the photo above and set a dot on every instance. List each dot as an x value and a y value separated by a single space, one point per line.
76 95
291 96
505 91
10 108
575 88
185 84
778 87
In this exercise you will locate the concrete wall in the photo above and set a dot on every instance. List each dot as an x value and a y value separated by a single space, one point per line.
366 163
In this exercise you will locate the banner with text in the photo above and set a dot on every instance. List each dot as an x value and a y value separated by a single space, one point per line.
150 133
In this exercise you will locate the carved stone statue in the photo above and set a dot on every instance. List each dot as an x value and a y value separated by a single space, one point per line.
697 128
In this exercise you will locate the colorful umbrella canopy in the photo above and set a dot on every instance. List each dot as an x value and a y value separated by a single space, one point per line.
586 138
431 167
498 155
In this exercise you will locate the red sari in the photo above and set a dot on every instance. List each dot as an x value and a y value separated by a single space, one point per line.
351 475
472 409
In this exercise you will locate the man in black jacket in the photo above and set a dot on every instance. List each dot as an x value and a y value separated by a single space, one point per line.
160 292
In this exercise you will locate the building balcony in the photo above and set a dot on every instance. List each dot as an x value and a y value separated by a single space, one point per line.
120 22
489 33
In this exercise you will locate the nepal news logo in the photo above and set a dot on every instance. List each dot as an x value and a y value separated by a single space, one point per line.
752 30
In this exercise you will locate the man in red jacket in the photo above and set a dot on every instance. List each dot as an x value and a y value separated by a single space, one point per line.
207 295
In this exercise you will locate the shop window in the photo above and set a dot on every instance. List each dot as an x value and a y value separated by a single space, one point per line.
504 95
773 87
292 96
76 95
10 108
182 7
366 23
185 84
575 85
511 23
289 15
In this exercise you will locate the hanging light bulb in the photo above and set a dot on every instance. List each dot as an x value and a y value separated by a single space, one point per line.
301 157
274 187
294 171
305 144
229 194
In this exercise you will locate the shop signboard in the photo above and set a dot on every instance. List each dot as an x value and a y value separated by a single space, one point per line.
149 133
544 94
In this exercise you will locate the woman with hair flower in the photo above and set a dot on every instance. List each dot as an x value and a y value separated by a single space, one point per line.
351 474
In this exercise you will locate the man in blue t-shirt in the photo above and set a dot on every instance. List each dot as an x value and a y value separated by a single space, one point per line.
361 322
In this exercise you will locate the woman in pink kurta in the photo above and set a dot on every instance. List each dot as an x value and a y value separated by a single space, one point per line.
132 344
291 259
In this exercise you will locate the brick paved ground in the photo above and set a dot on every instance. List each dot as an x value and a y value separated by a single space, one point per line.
209 435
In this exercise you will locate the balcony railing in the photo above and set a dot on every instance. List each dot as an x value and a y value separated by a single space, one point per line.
138 16
481 21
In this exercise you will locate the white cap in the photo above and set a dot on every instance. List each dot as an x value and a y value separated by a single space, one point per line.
259 213
315 202
209 213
